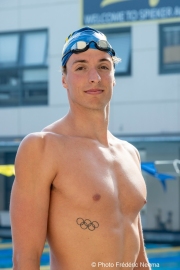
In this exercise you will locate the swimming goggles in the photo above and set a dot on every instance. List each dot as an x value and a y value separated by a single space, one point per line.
82 46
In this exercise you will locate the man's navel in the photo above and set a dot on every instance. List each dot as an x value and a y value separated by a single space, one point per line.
96 197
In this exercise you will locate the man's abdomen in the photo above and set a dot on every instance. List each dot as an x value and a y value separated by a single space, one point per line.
82 237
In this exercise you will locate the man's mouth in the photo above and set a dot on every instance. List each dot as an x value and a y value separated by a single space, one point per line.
94 91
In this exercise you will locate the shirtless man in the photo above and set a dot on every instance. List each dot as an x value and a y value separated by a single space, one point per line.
77 185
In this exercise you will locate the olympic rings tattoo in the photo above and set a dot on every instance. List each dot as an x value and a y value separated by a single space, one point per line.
87 224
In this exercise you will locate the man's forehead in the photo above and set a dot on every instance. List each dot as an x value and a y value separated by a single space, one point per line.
90 55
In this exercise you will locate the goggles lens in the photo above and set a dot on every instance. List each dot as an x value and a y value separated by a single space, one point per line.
103 44
80 45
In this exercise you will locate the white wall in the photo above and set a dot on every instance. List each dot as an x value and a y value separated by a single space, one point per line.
60 18
146 102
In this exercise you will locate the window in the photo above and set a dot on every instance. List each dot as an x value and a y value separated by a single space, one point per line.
9 49
23 68
34 48
169 48
120 40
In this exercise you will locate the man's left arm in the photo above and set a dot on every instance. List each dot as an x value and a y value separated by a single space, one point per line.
142 260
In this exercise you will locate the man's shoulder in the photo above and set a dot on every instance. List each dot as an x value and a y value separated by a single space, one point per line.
38 143
35 139
55 127
131 149
37 150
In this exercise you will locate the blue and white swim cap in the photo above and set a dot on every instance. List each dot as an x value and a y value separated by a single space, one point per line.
83 39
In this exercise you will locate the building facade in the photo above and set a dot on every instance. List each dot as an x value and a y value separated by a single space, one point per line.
145 108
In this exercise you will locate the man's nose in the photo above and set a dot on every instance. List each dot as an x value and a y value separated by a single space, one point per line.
94 76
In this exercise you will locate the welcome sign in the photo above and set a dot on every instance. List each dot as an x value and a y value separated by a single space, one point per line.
104 12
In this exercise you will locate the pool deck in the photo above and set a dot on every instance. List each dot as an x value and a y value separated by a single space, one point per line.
160 257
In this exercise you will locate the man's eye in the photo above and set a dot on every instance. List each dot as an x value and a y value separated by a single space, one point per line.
104 67
80 68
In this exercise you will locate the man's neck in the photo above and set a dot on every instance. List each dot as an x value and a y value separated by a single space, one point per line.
87 123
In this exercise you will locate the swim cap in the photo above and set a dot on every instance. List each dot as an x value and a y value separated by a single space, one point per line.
92 38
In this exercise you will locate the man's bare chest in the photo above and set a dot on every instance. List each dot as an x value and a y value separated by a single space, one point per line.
95 177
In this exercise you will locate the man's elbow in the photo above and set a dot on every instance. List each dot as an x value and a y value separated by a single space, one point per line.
28 262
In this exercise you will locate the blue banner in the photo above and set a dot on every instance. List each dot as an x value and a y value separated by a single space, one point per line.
150 168
99 12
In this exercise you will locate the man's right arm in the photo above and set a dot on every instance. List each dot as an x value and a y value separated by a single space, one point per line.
35 170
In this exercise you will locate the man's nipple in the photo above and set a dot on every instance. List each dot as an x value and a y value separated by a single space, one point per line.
96 197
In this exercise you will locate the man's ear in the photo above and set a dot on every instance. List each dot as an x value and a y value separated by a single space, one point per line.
114 82
64 83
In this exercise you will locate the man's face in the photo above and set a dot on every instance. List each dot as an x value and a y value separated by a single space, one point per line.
89 79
